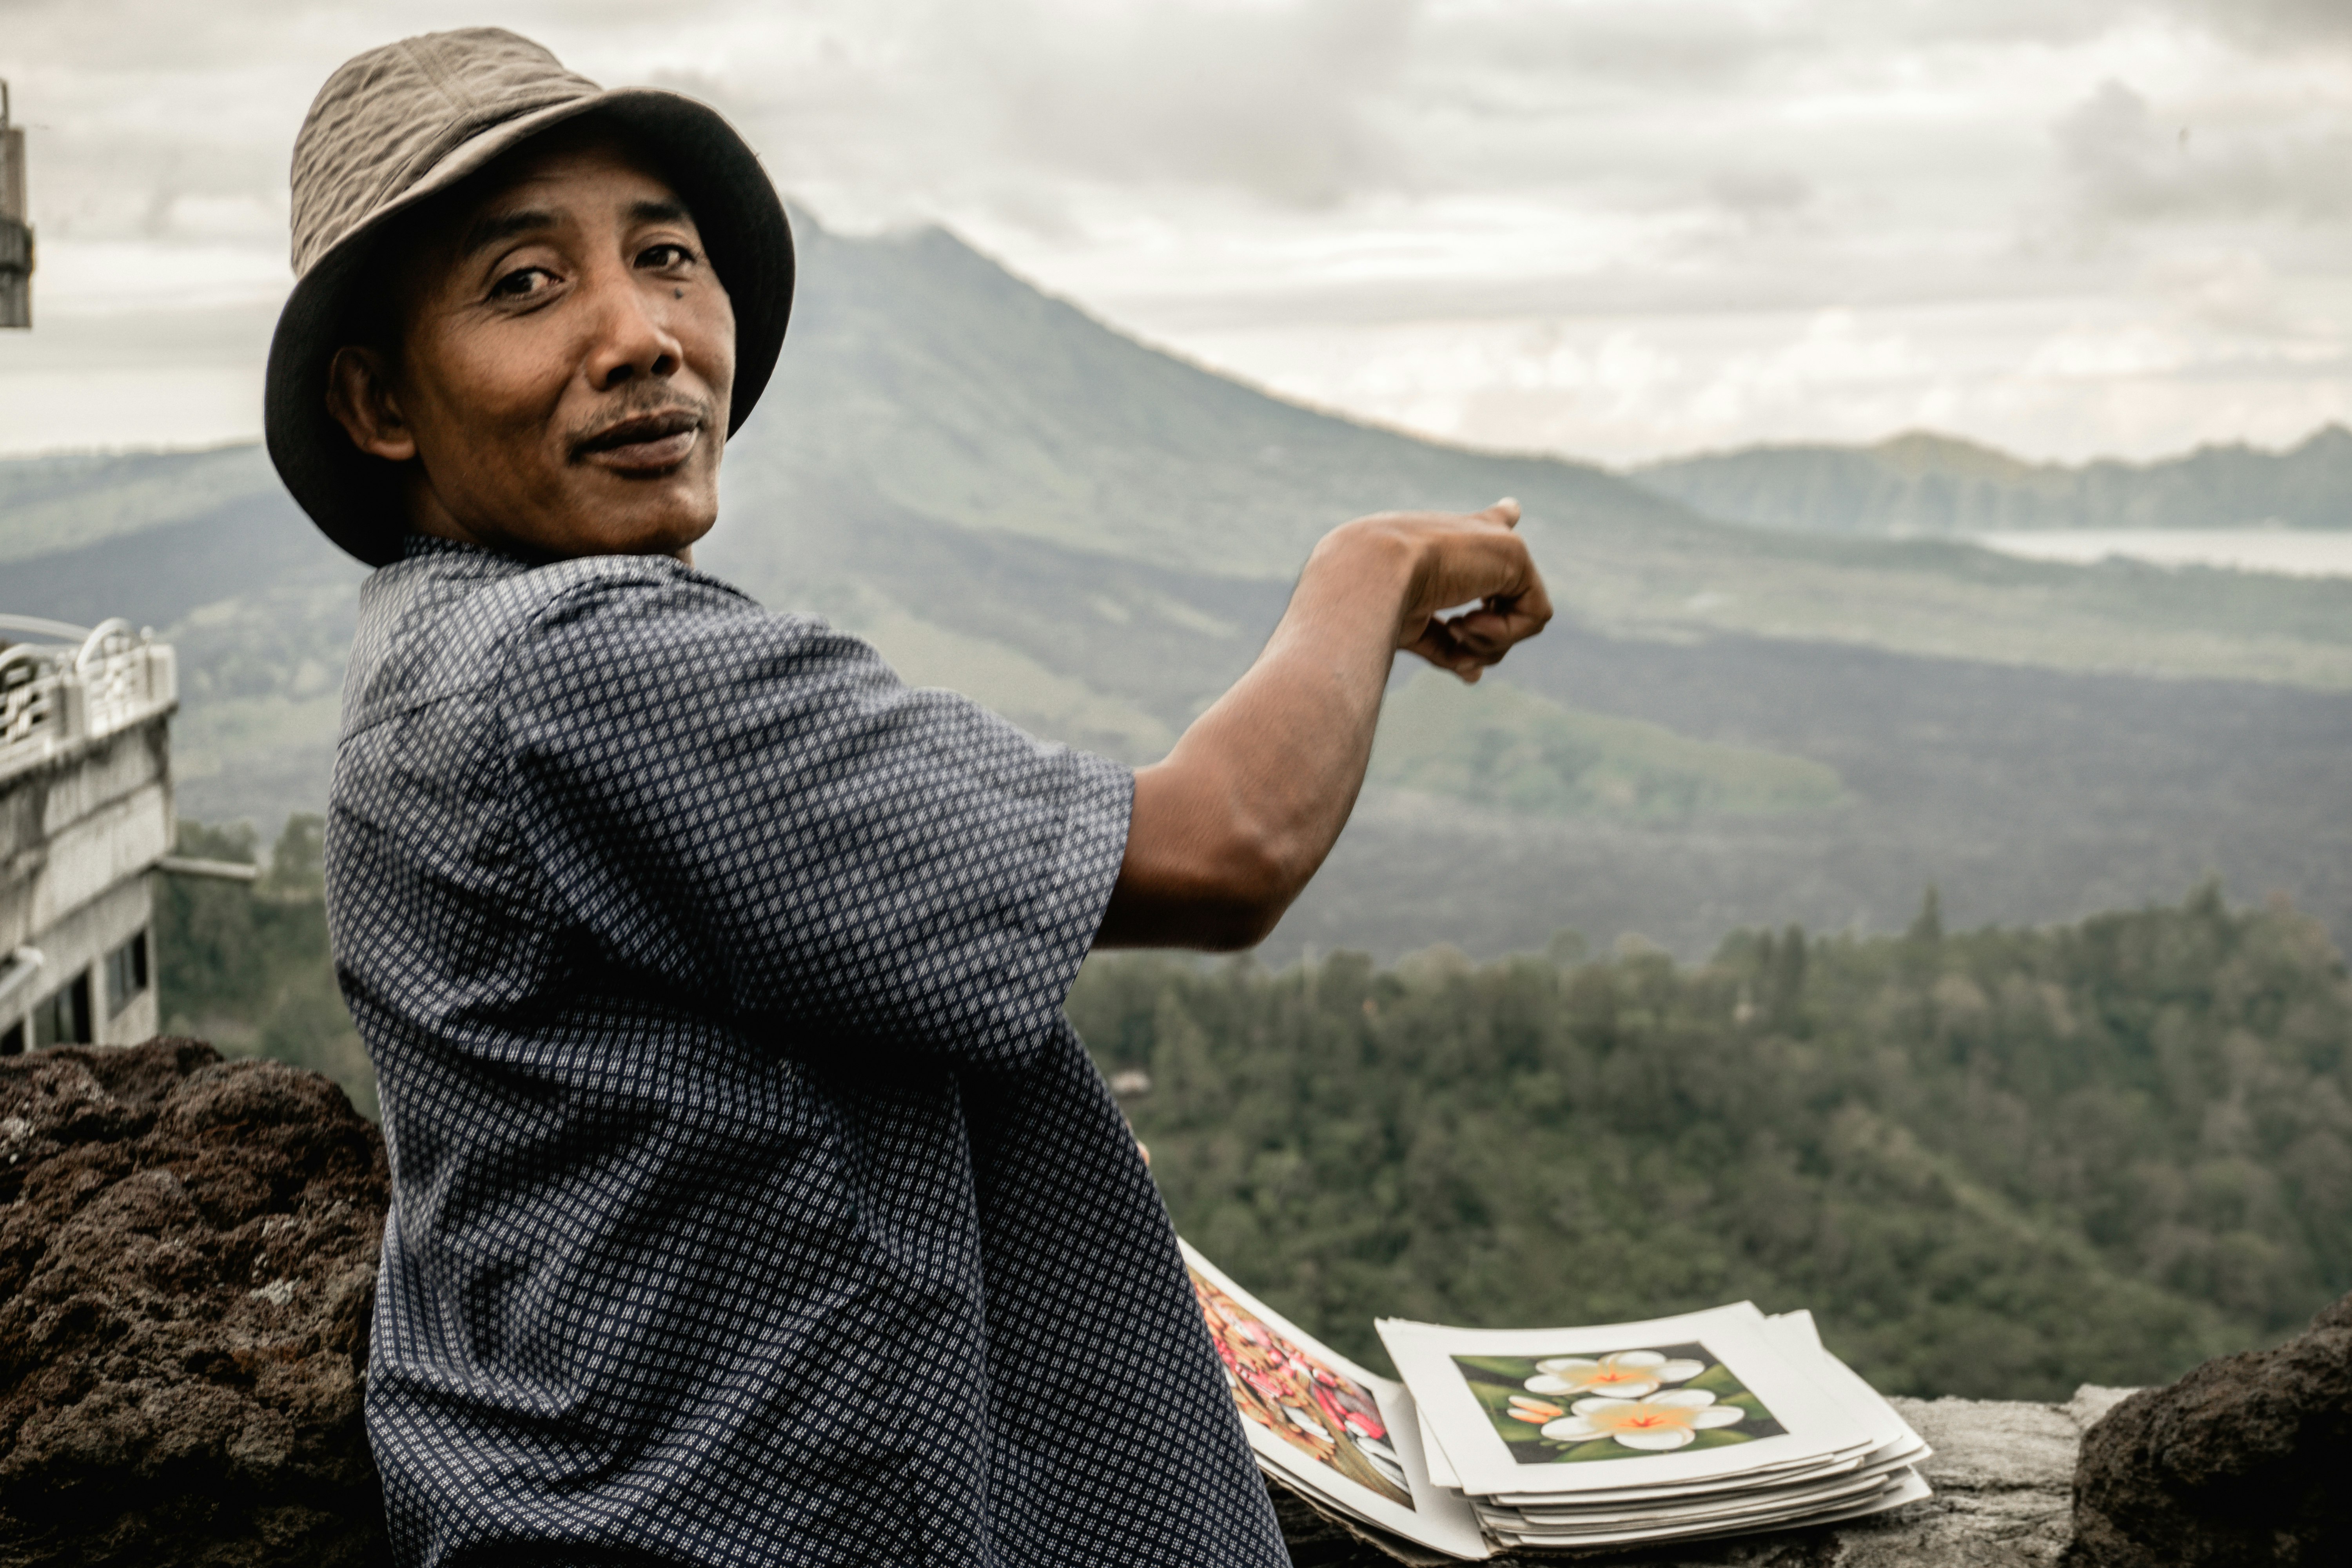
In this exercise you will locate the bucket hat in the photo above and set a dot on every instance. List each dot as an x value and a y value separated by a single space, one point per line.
400 125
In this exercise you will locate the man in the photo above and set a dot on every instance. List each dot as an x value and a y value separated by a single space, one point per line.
754 1202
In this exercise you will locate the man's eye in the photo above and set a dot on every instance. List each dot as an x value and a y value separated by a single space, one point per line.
664 256
523 282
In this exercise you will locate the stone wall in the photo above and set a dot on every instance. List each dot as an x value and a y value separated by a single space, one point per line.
187 1260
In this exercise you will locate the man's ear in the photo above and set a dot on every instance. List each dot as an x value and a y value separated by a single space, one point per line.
360 395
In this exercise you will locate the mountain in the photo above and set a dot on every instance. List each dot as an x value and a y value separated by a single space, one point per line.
1724 726
1926 484
1501 747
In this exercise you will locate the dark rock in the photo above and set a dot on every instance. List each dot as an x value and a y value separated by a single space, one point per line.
2248 1459
187 1261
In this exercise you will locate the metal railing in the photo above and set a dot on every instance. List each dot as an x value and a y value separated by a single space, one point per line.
54 693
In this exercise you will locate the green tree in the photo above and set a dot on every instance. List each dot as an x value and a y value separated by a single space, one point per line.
1994 1164
246 967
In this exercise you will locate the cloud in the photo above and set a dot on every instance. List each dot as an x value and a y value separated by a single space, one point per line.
1277 101
1229 175
2127 164
2234 293
1757 194
2277 24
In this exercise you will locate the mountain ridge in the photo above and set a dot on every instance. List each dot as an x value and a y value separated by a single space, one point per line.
1922 482
1092 537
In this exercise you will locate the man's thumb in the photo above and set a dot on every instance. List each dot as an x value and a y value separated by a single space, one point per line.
1504 512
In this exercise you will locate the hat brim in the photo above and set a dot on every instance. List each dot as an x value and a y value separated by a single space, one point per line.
356 499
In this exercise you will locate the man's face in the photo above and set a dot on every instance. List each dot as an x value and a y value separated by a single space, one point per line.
564 362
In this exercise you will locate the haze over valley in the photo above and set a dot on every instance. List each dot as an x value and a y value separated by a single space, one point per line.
1731 723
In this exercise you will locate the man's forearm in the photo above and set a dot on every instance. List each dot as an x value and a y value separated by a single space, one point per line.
1241 812
1230 826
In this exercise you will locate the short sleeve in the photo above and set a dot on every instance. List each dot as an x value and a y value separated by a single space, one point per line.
752 812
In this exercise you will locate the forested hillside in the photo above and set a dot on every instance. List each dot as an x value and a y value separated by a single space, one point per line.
1996 1163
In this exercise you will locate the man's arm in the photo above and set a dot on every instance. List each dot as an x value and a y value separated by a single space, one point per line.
1230 826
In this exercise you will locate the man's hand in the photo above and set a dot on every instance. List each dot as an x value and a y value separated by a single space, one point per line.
1230 827
1473 559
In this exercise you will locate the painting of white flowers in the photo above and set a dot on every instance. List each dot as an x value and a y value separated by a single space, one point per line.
1699 1397
1615 1404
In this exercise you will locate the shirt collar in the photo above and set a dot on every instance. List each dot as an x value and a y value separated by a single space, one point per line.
453 556
416 546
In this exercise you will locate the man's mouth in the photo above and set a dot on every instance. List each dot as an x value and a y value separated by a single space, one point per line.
643 442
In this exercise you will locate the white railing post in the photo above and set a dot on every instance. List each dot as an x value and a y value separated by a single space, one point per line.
162 673
70 711
52 696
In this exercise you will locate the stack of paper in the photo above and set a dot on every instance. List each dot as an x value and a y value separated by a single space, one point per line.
1717 1423
1714 1423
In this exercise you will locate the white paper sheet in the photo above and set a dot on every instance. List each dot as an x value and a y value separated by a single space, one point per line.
1893 1493
1718 1486
1908 1488
1433 1454
1725 1507
1799 1339
1777 1415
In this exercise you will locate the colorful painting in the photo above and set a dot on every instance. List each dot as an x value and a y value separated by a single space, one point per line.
1616 1405
1331 1418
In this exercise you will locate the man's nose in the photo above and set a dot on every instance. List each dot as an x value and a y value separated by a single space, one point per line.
631 338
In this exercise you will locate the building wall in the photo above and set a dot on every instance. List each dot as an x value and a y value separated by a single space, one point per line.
78 831
78 946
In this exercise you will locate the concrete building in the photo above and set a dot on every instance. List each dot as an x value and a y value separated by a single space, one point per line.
85 814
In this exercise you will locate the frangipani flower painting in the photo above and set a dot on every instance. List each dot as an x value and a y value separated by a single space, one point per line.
1331 1418
1618 1405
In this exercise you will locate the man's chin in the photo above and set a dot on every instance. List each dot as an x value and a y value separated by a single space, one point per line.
628 513
617 528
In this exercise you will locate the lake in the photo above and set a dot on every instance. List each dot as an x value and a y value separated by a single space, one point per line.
2294 552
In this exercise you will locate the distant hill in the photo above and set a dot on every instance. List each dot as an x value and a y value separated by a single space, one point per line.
1928 484
1726 725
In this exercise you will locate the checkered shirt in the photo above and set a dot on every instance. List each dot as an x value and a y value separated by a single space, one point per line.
754 1200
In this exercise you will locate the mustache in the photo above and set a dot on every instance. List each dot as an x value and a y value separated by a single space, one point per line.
628 426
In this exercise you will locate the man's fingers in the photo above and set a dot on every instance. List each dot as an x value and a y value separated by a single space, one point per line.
1442 645
1529 610
1492 578
1434 644
1484 633
1438 644
1486 641
1500 623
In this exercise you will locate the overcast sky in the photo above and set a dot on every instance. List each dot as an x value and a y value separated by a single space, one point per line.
1612 228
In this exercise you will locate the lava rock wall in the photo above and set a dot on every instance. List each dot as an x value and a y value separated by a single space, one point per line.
187 1263
2248 1459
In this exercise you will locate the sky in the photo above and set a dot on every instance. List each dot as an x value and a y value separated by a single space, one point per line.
1610 229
